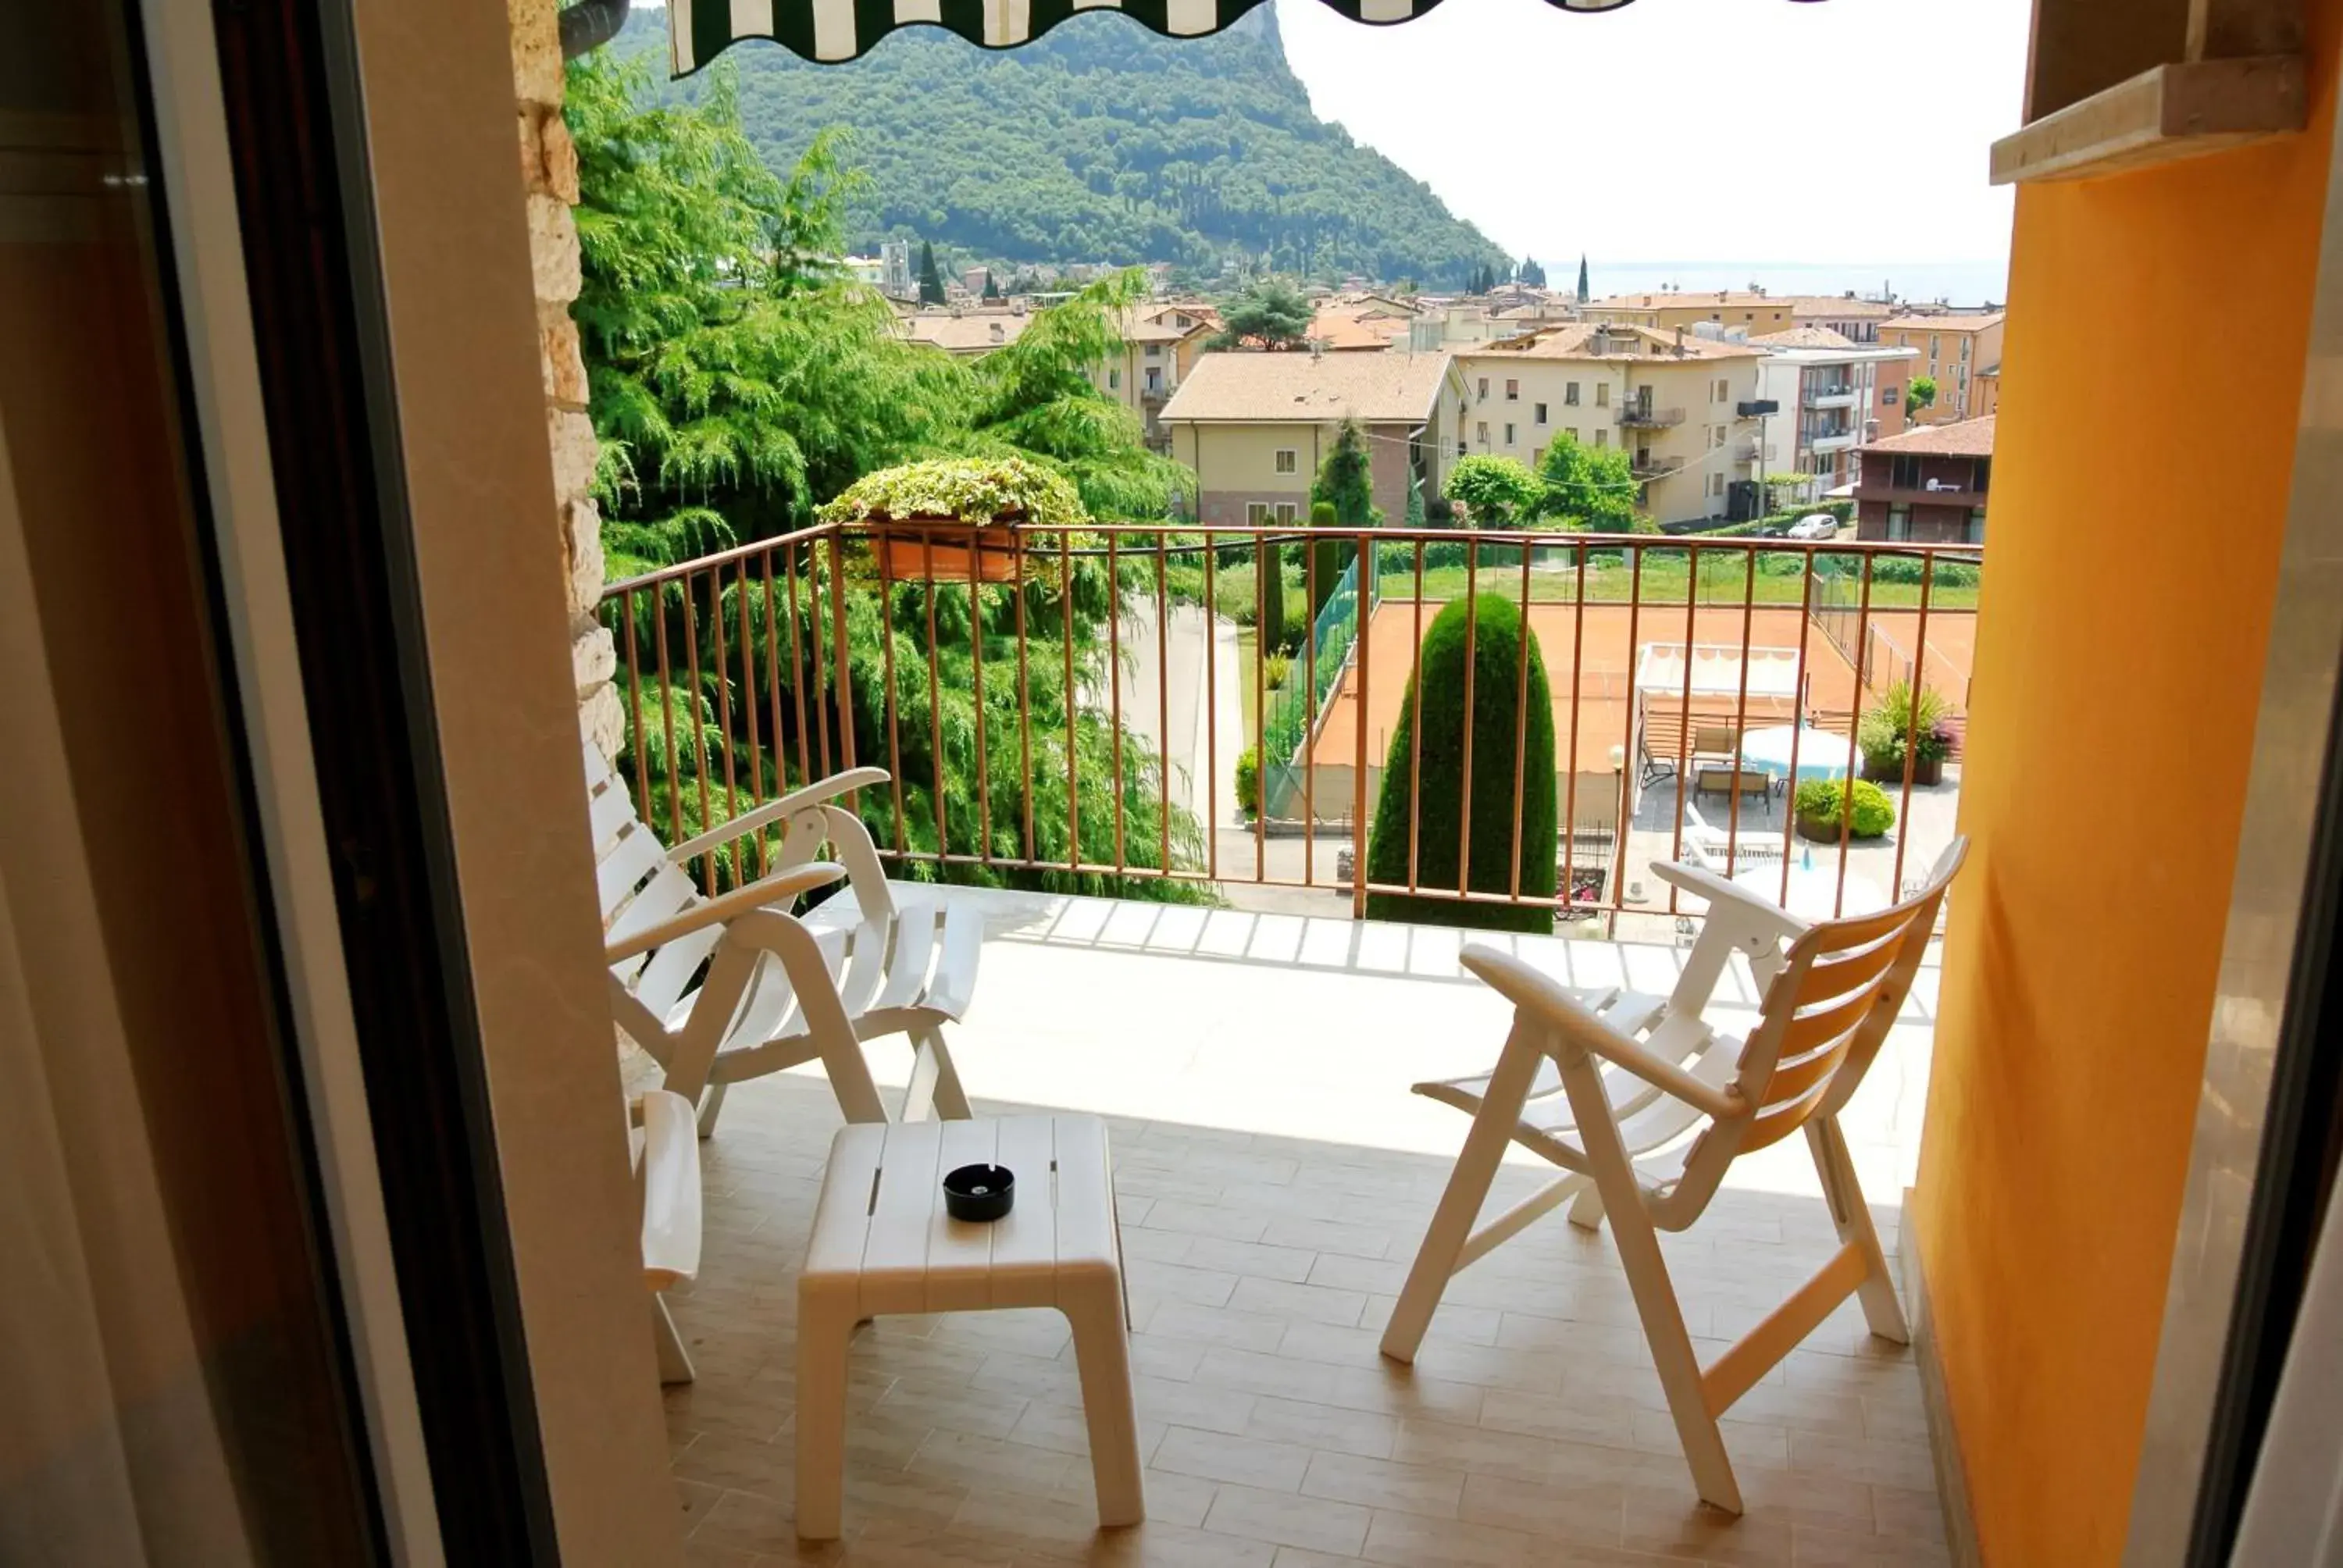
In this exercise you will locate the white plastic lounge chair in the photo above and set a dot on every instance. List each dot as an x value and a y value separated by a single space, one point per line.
1645 1104
731 986
1705 846
667 1165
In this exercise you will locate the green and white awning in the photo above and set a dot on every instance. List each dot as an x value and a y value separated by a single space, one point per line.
699 30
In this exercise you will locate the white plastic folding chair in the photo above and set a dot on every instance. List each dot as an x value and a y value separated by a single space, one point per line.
1645 1104
1710 848
735 986
666 1150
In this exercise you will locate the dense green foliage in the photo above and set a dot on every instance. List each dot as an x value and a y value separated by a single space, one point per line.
1821 801
1103 141
736 379
1267 313
1919 396
1588 489
1501 840
1495 492
725 360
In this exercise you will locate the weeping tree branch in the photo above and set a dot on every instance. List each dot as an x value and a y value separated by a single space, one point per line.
590 24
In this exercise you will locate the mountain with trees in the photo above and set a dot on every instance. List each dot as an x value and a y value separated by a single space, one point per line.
1100 142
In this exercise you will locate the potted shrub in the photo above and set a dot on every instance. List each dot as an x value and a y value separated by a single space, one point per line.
954 518
1890 727
1822 803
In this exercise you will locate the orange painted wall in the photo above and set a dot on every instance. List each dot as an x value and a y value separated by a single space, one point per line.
2126 595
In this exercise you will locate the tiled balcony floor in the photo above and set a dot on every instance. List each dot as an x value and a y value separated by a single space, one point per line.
1274 1176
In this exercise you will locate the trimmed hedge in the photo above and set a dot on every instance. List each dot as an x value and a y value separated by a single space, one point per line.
1496 655
1819 800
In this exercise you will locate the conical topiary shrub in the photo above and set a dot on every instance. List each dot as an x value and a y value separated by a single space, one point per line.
1496 635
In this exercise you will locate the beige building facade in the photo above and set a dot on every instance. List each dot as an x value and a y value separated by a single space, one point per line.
1683 407
1255 427
1756 312
1954 350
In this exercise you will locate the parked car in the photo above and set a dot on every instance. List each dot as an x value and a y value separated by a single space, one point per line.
1815 526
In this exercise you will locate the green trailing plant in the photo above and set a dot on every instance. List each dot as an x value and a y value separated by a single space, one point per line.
1501 837
1822 803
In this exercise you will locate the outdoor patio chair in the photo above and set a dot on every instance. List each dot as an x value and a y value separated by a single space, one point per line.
667 1167
1706 846
1645 1104
735 986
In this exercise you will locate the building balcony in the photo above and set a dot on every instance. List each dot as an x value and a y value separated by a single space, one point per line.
1643 416
1836 397
1250 1040
1839 442
1655 468
1273 1177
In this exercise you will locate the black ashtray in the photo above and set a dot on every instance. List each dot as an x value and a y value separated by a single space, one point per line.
979 1192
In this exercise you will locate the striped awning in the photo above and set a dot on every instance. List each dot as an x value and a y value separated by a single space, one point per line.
699 30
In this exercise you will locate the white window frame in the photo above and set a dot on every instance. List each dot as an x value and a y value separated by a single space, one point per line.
1287 460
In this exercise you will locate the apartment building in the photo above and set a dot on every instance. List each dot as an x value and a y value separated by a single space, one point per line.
1832 397
1684 407
1927 486
1954 347
1857 320
1753 311
1255 427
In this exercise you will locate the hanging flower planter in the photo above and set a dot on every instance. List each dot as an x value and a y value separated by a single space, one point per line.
953 518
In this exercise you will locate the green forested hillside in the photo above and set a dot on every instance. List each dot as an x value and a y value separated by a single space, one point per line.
1102 142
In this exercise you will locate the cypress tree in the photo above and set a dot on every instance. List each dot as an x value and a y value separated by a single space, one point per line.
931 282
1497 833
1346 490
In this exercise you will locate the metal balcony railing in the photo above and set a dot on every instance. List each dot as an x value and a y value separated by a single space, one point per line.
1022 704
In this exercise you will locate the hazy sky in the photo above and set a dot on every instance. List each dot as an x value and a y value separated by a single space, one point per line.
1846 131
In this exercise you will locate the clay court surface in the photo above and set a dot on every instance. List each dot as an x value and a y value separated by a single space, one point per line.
1591 650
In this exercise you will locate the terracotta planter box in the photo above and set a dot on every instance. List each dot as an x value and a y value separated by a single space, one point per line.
946 549
1825 830
1926 771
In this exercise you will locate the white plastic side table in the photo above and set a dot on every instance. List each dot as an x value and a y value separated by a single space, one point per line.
883 1243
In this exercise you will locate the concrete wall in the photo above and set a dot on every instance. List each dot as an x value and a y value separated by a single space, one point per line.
2080 968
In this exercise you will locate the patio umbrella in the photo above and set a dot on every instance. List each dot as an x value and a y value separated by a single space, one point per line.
1821 754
